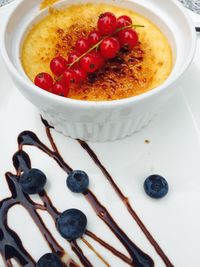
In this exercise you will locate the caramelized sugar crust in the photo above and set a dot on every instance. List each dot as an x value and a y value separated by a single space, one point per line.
129 74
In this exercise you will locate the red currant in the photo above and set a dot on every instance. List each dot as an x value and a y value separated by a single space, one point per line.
107 23
59 88
109 47
124 21
44 81
100 60
94 37
88 63
81 75
73 55
69 77
58 65
82 45
128 38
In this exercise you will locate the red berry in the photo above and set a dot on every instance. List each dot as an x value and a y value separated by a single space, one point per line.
124 21
94 37
88 63
128 38
82 45
107 23
59 88
81 75
58 65
73 55
44 81
109 47
69 77
100 60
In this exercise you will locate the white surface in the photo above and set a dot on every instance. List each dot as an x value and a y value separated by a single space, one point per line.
108 120
174 151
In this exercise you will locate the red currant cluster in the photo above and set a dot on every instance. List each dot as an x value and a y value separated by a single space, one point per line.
90 53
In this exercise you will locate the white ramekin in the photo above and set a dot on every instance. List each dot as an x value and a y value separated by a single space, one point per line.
101 121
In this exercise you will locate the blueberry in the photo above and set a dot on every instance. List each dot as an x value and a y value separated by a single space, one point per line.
78 181
32 181
72 224
156 186
49 260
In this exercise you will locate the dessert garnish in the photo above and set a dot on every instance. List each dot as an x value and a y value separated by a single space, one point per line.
78 181
71 224
90 54
32 181
44 81
49 260
156 186
58 64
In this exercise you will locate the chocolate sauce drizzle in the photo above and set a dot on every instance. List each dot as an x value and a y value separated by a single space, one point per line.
95 251
10 243
139 258
126 202
109 247
11 246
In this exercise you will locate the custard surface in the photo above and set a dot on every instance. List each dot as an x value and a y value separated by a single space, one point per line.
129 74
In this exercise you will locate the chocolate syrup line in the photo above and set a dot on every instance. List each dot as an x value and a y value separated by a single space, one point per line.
117 253
80 254
49 206
48 133
95 252
54 214
9 263
27 203
139 258
126 202
109 247
22 162
10 244
29 138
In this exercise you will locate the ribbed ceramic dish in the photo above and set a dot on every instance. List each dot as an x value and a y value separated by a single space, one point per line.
111 120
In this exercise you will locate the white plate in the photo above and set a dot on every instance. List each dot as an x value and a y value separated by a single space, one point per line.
173 151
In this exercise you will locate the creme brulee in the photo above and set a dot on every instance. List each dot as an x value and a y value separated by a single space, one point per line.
129 74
